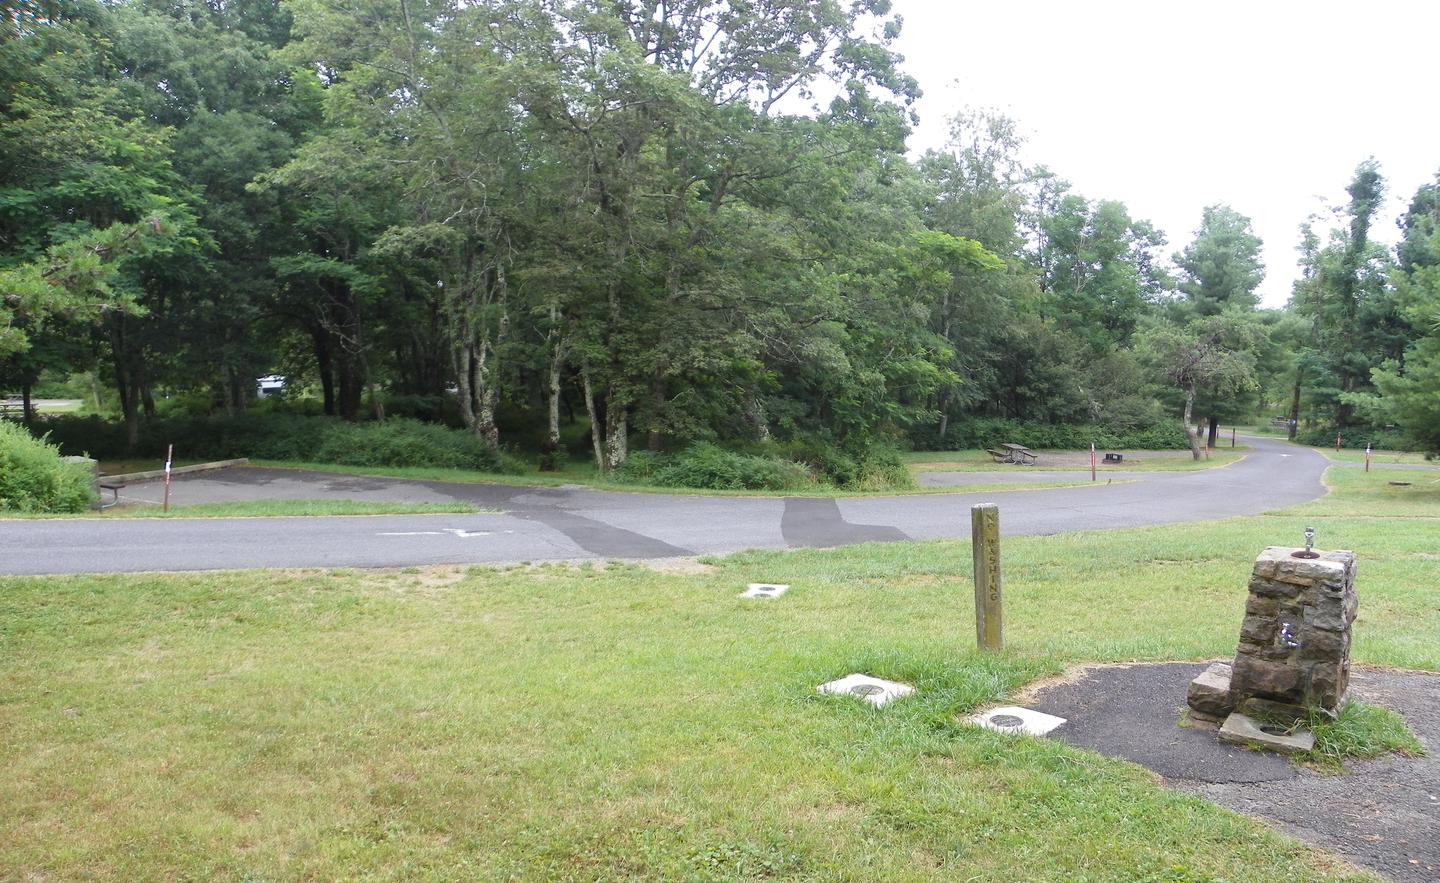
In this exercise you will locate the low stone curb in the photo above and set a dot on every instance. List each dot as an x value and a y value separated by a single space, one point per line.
131 477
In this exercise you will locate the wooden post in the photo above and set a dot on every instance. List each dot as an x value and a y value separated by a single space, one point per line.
169 455
985 536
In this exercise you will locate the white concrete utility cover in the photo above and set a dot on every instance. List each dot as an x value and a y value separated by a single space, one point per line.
765 590
876 691
1014 719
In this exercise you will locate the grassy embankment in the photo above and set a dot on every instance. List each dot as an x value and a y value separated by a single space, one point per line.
605 723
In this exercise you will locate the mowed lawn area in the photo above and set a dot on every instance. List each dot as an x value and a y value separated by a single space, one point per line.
562 723
1073 461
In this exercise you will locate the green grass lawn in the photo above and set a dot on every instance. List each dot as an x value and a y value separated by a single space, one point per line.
560 723
980 461
1378 458
269 508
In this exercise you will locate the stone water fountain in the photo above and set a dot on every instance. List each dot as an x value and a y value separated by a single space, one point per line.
1294 650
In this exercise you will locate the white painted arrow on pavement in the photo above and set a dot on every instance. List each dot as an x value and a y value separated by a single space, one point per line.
464 534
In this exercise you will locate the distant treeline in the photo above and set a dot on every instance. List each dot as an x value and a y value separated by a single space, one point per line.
522 217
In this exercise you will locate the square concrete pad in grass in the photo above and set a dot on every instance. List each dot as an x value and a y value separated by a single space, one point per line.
1016 720
765 590
876 691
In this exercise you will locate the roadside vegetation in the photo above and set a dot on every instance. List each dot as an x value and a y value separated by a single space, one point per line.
614 721
1359 731
271 508
33 478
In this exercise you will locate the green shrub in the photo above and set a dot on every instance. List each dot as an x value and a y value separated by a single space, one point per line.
281 437
34 479
709 467
641 466
871 467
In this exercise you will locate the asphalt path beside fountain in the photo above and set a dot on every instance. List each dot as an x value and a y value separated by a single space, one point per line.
1382 814
577 524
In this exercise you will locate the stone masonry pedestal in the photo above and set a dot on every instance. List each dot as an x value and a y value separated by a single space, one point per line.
1294 650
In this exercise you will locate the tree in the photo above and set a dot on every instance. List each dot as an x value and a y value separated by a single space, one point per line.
1221 266
1100 269
1215 351
1219 271
1408 387
88 195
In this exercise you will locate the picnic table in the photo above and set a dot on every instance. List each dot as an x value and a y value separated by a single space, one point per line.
1018 455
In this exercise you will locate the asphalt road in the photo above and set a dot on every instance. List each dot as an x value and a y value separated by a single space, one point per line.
564 524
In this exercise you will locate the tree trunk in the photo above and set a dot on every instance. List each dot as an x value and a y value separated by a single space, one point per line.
132 418
27 411
657 405
1345 412
377 407
755 414
240 390
348 394
325 368
1214 432
124 383
550 447
1295 411
595 428
617 431
460 353
1191 435
485 417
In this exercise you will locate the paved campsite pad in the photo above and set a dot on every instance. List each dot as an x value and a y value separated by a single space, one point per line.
1382 814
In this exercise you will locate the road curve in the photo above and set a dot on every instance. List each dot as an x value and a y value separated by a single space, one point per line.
562 524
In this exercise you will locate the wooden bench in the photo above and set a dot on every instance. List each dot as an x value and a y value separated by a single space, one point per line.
999 456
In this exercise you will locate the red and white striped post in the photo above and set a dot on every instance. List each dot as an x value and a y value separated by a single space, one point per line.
169 455
1092 461
1367 456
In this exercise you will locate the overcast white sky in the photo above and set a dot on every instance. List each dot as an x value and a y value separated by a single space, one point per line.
1170 107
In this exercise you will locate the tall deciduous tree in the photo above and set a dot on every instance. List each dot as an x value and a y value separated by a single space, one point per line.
1221 266
1410 388
1215 352
1219 271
